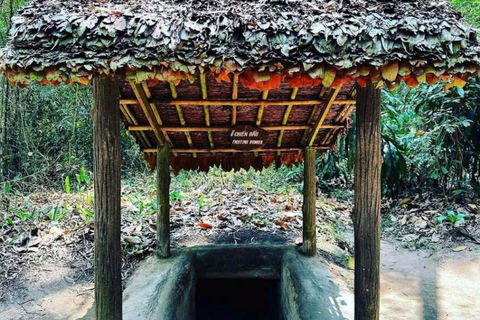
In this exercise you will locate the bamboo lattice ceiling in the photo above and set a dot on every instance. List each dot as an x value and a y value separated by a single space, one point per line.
195 120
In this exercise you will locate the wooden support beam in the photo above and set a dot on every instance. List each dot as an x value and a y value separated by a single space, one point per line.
285 118
323 114
309 203
163 201
187 103
145 104
234 97
173 90
366 217
231 150
106 167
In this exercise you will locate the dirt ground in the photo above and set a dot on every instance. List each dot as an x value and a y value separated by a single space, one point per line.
415 285
430 269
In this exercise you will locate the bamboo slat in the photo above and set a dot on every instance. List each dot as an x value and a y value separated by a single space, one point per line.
173 90
285 118
144 103
321 95
203 85
141 136
323 114
234 97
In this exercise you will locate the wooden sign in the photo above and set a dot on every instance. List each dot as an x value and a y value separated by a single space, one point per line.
248 137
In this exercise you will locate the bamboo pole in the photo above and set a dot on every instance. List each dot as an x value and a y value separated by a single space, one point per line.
367 203
231 150
227 129
322 116
144 103
309 201
141 136
203 85
187 103
285 118
234 97
106 167
321 95
173 90
163 201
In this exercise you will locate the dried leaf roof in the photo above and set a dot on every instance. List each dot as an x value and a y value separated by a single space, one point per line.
81 37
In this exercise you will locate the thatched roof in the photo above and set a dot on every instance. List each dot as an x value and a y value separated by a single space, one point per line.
79 38
192 70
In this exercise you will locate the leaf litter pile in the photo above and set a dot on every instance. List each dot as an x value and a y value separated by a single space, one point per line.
221 207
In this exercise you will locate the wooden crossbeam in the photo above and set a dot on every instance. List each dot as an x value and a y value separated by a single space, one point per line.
227 129
230 150
203 85
145 105
285 118
187 103
321 118
173 90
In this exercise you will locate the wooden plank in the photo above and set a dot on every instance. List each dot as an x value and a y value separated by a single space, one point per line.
187 103
323 114
230 150
173 90
285 118
145 104
367 203
107 184
163 201
309 210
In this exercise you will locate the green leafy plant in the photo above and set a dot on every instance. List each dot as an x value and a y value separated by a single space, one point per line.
67 184
452 217
57 213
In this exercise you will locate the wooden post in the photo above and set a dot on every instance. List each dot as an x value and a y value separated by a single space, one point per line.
163 200
106 167
309 200
368 164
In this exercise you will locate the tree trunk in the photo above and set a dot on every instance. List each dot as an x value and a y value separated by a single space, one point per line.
163 199
106 167
309 200
368 164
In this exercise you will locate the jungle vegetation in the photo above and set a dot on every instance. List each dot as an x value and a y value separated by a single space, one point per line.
431 137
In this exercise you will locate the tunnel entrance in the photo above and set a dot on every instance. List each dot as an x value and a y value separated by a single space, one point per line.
237 299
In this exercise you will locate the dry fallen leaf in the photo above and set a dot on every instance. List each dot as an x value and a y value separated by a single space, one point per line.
133 240
460 248
205 225
282 224
404 201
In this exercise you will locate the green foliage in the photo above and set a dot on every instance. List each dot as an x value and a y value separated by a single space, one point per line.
452 217
470 9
